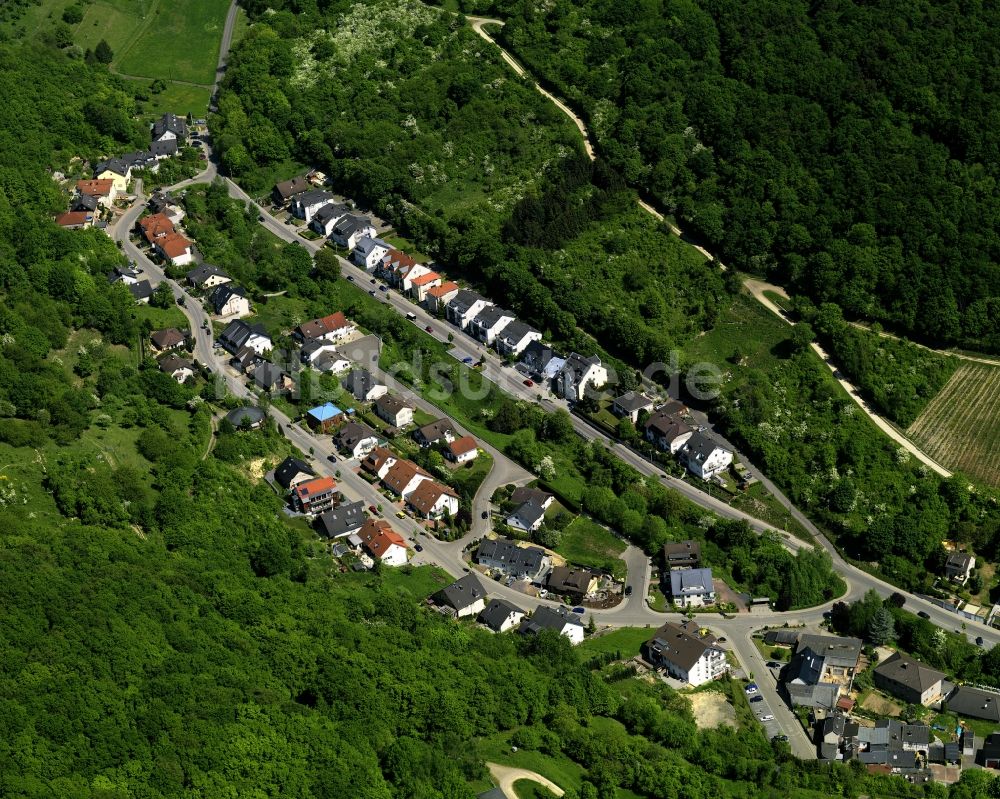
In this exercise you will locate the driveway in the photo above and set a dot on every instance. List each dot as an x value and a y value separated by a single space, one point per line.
506 776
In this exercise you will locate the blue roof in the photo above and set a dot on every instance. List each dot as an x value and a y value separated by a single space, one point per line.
325 412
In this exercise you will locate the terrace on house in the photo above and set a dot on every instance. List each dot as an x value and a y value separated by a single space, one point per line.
686 653
316 495
692 588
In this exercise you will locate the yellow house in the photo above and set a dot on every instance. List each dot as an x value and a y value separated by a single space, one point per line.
114 170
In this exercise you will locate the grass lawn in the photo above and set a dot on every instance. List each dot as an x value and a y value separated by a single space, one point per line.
280 314
161 318
406 246
746 329
21 483
177 98
781 653
760 503
626 640
558 768
658 600
586 543
179 42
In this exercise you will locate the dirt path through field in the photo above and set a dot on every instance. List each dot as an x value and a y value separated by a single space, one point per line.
506 776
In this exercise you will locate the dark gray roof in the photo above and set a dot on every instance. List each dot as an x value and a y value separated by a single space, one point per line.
292 186
289 469
203 272
120 272
139 159
497 612
351 224
537 355
141 290
331 211
517 559
462 593
516 331
524 493
313 196
390 404
343 520
84 202
267 375
359 382
436 430
490 315
975 703
116 165
220 295
667 426
250 412
904 670
528 513
786 637
806 667
836 651
823 695
700 446
679 645
631 401
238 332
172 363
546 618
171 122
351 434
690 581
165 147
682 552
464 300
570 580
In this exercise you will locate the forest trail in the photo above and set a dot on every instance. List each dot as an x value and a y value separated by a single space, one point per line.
757 289
506 776
962 356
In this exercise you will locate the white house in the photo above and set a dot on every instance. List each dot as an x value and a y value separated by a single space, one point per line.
349 230
326 218
306 204
527 517
462 450
692 587
169 127
404 477
704 458
331 363
229 300
667 432
313 349
439 296
432 500
363 386
488 323
630 404
560 619
175 248
503 555
206 276
406 277
379 461
464 597
577 374
423 283
393 410
513 339
355 439
368 252
464 307
382 542
685 654
179 369
500 615
239 334
333 327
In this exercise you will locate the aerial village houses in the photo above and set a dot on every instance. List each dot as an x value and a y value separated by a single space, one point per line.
577 374
115 170
291 472
439 296
368 252
102 192
379 461
307 203
343 520
489 322
229 300
180 369
464 597
513 339
527 517
334 327
909 679
692 587
316 495
436 432
432 500
170 127
630 404
75 220
364 387
356 439
272 378
239 334
560 620
685 653
383 543
542 361
667 432
462 450
704 458
422 284
393 410
324 418
503 555
958 567
682 555
500 615
821 670
169 339
285 190
572 582
206 276
327 217
349 230
403 477
464 307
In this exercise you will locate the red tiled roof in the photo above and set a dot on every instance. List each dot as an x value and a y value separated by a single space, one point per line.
377 536
72 218
95 188
462 445
426 495
423 280
315 487
444 288
155 225
326 324
174 244
398 259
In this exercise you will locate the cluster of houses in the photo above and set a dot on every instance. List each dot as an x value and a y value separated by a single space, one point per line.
344 524
504 558
404 479
689 584
467 597
305 198
169 345
111 176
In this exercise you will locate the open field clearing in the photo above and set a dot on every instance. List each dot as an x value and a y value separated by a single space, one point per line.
960 427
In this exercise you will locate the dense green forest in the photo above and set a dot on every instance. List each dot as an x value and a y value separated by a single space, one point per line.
848 150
